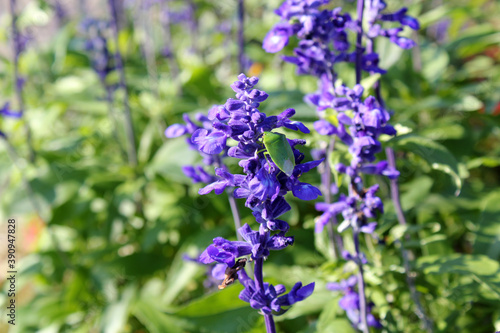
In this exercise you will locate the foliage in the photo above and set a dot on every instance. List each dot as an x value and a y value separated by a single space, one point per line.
123 232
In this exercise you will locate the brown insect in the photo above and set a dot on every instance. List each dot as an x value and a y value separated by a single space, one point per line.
231 273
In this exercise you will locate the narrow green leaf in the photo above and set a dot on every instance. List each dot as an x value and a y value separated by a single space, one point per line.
484 269
435 154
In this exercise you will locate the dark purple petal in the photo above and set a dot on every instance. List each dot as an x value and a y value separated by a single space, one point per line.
175 130
305 191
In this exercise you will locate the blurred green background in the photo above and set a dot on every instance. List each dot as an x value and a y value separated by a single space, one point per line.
101 243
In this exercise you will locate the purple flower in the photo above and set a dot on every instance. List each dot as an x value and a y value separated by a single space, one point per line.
263 185
209 142
7 112
350 302
225 252
226 179
277 38
176 130
268 300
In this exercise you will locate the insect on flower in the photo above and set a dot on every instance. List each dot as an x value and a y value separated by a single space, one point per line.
231 273
280 151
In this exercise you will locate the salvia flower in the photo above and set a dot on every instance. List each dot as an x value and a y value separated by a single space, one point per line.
97 45
356 121
210 158
350 302
264 184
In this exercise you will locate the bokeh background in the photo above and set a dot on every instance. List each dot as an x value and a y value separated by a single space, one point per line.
102 243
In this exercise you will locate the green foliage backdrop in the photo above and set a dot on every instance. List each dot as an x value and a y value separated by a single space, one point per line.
104 250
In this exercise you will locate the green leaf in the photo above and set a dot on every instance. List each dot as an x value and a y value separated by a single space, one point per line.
181 273
214 303
487 161
116 314
482 268
435 154
280 151
487 240
368 82
221 312
170 158
155 320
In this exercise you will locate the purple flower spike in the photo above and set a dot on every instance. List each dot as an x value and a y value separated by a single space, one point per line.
264 185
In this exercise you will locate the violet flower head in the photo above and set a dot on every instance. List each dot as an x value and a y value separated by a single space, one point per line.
96 44
360 132
240 120
264 184
210 158
375 12
350 302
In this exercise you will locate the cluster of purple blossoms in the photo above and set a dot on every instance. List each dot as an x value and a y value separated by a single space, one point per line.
358 122
323 39
360 133
97 45
375 12
350 302
197 173
263 185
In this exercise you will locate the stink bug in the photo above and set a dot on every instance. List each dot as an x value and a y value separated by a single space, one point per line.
280 151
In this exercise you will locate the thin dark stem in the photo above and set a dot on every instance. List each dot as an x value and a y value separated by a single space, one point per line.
241 37
129 127
172 64
410 278
359 40
18 81
259 286
193 25
236 213
361 284
391 159
112 118
145 19
361 281
270 326
336 239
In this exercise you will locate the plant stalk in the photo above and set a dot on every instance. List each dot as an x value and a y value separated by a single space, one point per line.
129 127
241 37
18 81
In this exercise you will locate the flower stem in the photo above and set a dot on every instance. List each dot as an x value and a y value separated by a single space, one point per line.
129 127
361 281
172 64
270 326
113 118
236 213
359 40
410 279
259 286
18 81
241 37
361 284
336 239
